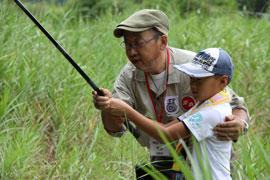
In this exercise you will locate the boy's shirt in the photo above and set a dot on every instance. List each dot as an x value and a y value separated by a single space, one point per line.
201 120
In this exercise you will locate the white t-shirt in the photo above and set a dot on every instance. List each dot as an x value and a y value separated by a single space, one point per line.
201 124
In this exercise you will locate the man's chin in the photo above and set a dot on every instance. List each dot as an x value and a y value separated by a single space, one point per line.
139 65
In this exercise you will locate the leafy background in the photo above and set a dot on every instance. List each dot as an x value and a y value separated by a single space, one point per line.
49 128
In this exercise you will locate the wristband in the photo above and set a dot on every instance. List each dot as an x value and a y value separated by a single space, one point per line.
116 134
245 128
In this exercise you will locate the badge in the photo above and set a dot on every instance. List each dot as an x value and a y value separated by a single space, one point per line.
187 102
158 149
171 104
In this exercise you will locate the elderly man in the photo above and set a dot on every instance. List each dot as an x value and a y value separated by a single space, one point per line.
150 84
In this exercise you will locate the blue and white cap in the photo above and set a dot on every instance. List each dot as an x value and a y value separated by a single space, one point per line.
209 62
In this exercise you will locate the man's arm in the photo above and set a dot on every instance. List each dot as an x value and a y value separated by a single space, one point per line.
233 126
112 124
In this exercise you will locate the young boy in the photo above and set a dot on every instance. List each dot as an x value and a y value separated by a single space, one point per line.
210 72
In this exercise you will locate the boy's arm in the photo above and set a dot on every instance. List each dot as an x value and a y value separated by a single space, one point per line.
172 132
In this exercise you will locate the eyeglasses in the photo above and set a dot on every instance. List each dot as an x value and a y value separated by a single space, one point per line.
138 44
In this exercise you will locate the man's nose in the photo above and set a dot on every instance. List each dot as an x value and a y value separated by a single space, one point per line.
131 51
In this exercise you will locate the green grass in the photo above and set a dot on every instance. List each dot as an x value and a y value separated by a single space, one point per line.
49 128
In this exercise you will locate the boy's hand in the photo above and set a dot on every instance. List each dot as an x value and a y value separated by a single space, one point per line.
102 102
118 107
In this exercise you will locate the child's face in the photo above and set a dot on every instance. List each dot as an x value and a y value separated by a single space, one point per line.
204 88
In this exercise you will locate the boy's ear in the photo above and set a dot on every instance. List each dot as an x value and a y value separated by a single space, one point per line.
224 80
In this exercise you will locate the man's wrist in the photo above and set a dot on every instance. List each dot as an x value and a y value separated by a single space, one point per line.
116 133
246 126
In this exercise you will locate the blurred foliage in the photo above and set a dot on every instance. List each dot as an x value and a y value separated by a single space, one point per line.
186 6
254 5
94 8
57 2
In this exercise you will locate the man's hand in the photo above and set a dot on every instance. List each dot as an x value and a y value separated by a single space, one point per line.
102 102
110 122
231 129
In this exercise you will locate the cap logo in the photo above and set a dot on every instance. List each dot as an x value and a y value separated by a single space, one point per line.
206 60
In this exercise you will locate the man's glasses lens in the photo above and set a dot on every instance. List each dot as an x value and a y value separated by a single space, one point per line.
137 45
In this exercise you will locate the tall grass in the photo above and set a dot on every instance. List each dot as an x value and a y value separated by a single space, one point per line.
49 128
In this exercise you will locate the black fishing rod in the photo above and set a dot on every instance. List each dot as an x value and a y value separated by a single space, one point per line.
130 127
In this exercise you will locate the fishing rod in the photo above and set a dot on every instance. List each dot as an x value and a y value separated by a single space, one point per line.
130 127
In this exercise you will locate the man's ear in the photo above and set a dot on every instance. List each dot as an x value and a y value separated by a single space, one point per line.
164 42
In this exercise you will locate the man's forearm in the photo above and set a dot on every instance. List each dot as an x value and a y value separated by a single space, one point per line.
234 125
111 123
240 113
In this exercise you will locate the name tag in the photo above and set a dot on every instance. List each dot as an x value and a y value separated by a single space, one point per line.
158 149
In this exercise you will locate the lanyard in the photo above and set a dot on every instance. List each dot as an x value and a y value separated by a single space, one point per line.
150 93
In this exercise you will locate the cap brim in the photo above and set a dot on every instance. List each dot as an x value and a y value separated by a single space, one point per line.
119 30
193 70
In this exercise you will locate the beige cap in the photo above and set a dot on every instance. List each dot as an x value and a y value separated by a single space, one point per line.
143 20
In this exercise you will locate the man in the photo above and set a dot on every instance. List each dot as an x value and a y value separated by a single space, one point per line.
151 85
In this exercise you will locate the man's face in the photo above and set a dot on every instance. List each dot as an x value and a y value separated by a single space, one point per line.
143 50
